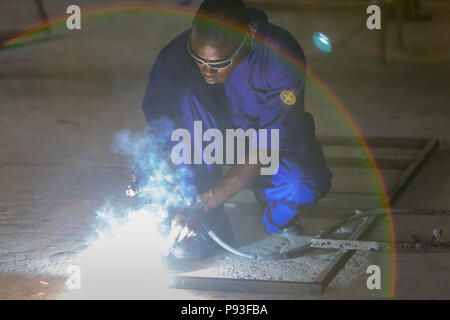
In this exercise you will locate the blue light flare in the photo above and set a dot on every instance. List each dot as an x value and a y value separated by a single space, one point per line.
322 42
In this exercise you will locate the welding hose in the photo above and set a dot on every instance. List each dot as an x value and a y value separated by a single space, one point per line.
258 257
229 248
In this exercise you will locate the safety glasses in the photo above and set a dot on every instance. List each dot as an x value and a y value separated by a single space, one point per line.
217 64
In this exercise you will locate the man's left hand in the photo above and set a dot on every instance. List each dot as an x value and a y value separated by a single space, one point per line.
185 224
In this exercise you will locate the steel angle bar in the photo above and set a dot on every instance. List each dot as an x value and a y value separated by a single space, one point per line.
358 162
43 14
409 173
398 247
346 244
245 285
375 142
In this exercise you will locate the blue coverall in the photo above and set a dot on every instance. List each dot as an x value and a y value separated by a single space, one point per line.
250 98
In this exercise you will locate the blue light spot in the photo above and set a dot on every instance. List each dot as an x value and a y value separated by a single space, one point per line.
321 41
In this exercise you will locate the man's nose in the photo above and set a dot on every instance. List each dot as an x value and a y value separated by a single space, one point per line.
208 70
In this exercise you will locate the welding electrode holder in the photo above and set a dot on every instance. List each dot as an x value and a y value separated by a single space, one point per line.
133 188
195 212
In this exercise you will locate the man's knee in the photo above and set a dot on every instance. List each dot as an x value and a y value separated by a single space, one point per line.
296 183
286 199
305 192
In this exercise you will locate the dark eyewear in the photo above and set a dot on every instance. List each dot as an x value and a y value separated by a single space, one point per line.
217 64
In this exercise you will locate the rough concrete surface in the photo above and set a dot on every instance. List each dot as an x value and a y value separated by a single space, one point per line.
64 95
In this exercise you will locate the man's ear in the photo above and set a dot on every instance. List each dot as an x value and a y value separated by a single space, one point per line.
253 27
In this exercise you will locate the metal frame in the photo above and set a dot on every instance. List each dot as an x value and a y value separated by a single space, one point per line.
321 282
343 256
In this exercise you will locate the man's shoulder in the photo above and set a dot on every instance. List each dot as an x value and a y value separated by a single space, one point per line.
173 61
177 43
282 43
274 37
278 59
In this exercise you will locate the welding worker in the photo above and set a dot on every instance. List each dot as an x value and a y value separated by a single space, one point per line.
234 69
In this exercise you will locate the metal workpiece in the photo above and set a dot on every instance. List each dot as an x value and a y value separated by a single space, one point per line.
245 285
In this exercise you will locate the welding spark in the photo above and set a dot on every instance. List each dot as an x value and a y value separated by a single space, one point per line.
124 261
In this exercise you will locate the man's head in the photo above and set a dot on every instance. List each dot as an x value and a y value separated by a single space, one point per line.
220 38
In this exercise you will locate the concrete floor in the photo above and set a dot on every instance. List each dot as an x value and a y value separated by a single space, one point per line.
63 97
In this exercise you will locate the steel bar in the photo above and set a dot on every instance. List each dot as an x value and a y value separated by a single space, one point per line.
399 211
383 31
346 244
339 213
422 212
245 285
342 256
302 6
407 175
398 247
358 162
374 142
43 14
400 24
4 38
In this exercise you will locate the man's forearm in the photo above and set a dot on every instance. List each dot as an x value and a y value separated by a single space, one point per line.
239 177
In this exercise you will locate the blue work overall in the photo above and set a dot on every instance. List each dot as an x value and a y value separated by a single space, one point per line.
266 91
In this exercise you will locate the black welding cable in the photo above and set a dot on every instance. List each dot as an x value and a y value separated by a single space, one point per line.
259 257
229 248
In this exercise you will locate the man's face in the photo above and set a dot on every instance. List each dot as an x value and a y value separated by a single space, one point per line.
213 51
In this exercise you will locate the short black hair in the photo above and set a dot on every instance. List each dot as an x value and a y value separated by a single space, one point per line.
218 20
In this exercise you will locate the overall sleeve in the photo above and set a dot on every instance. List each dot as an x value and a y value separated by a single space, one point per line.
282 104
